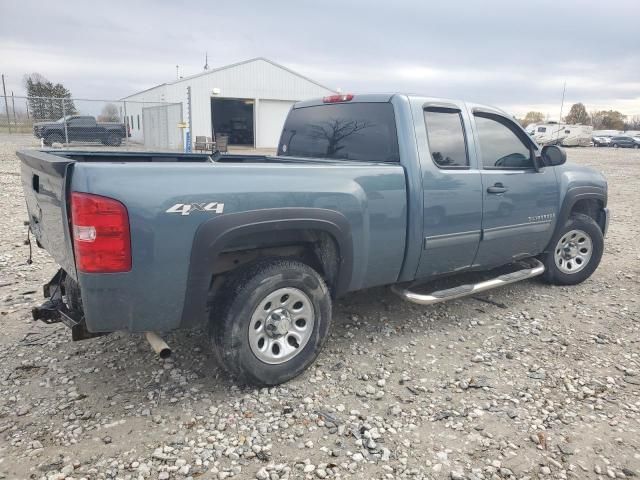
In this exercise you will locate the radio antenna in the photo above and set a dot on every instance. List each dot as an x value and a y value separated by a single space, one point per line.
564 89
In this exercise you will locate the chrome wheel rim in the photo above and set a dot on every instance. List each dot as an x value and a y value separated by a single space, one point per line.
573 251
281 325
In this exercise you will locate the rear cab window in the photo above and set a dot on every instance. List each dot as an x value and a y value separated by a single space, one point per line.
358 131
445 132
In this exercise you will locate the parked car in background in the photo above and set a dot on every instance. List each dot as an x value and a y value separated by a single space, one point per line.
601 141
623 141
80 128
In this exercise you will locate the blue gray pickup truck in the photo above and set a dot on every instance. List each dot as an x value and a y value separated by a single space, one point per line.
364 190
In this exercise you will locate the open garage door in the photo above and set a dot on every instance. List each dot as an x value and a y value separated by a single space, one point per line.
271 117
234 118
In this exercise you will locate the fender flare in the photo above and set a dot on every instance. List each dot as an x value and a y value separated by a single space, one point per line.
576 194
213 235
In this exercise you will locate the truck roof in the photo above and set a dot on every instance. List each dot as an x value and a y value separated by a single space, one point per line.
386 97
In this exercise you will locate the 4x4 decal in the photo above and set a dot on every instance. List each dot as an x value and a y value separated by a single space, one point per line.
187 208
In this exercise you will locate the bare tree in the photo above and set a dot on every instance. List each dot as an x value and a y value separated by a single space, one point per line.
110 113
578 115
532 117
335 131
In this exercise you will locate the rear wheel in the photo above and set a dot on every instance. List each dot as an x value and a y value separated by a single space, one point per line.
615 145
575 251
270 321
113 140
53 138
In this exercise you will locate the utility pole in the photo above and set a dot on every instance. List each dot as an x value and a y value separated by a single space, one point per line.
64 118
564 89
6 105
13 105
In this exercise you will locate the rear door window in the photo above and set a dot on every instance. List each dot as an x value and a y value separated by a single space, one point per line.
445 131
364 132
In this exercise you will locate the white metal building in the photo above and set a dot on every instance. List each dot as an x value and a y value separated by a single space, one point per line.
248 101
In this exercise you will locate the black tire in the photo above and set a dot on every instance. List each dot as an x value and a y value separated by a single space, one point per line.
113 140
636 146
238 299
53 138
615 145
553 274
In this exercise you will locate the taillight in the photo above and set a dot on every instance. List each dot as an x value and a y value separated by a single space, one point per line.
100 234
338 98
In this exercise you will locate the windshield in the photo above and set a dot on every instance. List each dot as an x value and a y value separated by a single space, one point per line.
61 120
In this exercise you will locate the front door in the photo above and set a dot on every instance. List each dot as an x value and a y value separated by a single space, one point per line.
520 202
452 193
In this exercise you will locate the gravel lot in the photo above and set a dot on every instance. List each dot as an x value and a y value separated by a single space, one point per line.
529 381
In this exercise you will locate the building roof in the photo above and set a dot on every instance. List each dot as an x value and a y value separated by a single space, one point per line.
226 67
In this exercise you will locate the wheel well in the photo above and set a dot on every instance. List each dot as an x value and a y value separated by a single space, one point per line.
591 207
316 248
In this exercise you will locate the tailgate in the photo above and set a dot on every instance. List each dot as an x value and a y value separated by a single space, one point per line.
45 182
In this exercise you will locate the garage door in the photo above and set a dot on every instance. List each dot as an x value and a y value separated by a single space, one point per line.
271 117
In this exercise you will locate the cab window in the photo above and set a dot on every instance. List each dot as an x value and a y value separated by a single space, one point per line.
447 143
500 145
359 131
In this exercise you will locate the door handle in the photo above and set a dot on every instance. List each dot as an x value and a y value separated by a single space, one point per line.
497 188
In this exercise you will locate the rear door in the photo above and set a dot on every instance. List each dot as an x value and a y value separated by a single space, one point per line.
82 128
452 193
520 202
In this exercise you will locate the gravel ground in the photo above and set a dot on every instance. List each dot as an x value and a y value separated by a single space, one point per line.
529 381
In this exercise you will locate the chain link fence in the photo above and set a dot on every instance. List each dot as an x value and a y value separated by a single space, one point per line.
75 122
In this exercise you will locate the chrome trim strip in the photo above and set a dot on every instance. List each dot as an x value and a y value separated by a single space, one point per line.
470 289
448 239
520 228
506 227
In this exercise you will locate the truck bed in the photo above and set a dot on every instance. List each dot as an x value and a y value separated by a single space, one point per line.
368 199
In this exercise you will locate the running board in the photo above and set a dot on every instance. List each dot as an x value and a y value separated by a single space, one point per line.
469 289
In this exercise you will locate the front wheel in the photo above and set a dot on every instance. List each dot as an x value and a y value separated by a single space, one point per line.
53 138
575 251
271 321
113 140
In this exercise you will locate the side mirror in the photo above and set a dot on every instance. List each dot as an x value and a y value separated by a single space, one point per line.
552 155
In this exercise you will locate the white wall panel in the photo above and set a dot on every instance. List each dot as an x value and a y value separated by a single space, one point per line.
256 79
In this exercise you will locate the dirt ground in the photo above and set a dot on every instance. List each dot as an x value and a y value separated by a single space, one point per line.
528 381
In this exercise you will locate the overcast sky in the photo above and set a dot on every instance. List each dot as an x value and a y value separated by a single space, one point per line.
511 53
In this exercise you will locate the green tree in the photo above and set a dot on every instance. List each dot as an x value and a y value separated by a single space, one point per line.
532 117
48 101
578 115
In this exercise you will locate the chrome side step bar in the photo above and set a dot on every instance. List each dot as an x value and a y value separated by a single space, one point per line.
469 289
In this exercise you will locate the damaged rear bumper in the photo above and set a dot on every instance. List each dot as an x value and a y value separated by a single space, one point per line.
62 304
